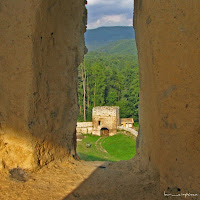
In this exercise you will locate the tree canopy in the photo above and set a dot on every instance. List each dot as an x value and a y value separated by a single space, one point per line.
110 78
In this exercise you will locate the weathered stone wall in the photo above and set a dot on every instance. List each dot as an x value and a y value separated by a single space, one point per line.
42 43
41 46
168 41
108 117
83 128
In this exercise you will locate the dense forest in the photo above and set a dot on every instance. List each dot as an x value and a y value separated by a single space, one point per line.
109 76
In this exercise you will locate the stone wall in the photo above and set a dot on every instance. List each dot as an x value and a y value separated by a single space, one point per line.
42 44
108 116
130 130
83 128
168 41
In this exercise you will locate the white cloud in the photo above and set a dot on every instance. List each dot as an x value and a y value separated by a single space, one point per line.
117 3
109 13
111 20
95 2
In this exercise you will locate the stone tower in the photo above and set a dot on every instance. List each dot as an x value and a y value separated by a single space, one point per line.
105 120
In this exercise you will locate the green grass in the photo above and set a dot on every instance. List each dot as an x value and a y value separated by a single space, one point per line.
114 148
120 147
88 154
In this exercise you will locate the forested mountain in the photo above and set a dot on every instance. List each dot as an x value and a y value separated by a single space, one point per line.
119 47
99 37
109 76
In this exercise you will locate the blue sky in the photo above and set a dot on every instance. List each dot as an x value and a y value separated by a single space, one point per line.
109 13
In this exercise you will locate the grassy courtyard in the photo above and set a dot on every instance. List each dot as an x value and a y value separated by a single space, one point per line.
113 148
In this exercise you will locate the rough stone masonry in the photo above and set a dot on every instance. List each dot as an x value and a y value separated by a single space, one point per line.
42 44
168 42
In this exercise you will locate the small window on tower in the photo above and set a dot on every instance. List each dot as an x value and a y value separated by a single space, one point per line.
99 123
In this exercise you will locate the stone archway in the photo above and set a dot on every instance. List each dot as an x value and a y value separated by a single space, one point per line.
104 132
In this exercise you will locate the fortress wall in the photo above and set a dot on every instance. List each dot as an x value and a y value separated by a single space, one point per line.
106 122
168 41
42 44
106 111
84 128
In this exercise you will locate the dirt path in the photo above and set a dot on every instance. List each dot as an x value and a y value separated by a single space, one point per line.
99 147
81 180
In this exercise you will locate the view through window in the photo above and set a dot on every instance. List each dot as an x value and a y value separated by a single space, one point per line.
108 90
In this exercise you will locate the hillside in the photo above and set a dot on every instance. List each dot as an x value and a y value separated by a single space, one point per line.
119 47
110 74
101 36
114 148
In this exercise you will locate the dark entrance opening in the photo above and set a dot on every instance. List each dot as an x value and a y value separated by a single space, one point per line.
104 132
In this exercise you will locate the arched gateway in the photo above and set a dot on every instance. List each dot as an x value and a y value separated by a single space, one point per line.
104 132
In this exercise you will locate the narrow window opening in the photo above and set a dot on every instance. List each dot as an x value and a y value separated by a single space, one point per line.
108 86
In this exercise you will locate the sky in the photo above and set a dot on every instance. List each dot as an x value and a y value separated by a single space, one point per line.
109 13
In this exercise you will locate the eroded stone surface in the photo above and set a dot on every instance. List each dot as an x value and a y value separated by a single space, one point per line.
168 41
42 43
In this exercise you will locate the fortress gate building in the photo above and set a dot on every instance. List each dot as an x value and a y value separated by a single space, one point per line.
105 120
